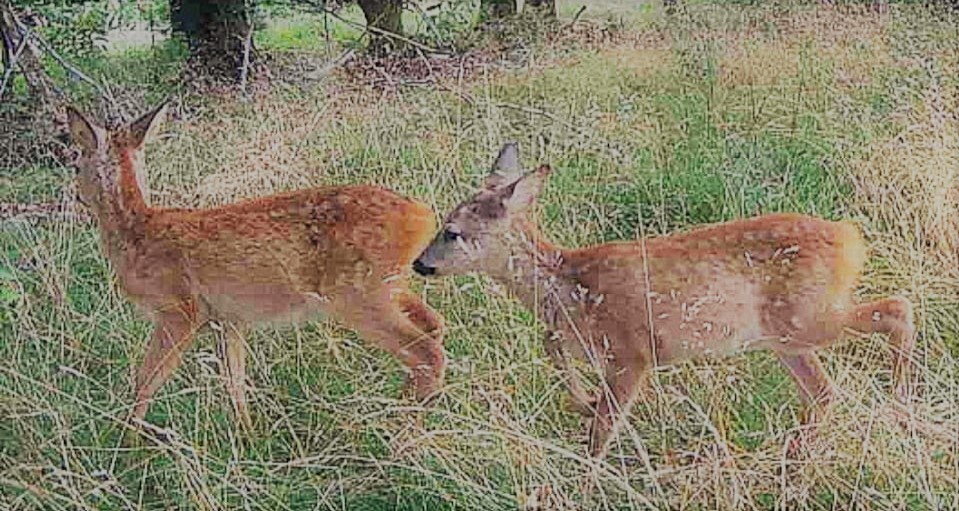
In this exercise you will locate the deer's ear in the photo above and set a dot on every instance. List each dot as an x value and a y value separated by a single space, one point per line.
146 127
523 193
83 132
506 167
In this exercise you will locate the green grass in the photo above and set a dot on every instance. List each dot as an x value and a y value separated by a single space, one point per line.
307 31
646 136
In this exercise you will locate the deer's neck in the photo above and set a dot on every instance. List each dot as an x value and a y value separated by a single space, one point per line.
122 210
535 274
130 195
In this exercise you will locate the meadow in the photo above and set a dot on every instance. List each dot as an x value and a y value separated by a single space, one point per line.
653 125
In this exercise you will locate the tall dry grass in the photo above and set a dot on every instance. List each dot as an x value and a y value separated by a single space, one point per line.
724 112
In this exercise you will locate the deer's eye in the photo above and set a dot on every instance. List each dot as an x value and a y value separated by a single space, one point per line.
451 235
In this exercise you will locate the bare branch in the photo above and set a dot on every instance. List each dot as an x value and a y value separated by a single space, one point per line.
579 13
245 68
46 47
12 63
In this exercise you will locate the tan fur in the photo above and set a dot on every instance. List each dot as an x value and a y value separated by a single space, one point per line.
782 282
342 252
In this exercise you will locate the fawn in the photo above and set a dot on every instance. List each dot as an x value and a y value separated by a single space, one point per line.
343 252
781 282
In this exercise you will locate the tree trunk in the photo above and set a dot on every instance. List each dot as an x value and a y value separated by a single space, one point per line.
33 127
542 8
217 32
384 19
498 9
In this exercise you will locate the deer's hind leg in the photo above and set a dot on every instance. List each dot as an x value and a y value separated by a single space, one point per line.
410 330
894 317
429 350
173 332
420 313
891 316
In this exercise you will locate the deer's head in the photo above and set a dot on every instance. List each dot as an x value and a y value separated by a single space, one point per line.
480 234
104 153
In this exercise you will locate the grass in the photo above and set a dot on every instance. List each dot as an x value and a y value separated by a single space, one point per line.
304 30
727 112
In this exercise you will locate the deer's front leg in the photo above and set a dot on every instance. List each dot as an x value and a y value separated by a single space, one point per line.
233 348
173 331
623 381
815 392
582 401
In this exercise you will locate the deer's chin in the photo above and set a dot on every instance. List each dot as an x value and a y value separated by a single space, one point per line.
441 272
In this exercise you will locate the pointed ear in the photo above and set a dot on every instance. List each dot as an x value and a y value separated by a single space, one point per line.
83 132
146 127
523 193
506 167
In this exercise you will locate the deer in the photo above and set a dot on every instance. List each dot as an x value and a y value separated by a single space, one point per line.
340 252
780 282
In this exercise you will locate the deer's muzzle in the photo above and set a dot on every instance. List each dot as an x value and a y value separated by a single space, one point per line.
423 269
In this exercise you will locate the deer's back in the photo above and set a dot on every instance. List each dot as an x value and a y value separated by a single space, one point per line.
279 257
714 288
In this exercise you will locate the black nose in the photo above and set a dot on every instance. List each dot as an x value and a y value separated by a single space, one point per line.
422 269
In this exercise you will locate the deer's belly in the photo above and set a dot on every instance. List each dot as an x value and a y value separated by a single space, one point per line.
262 303
711 322
721 338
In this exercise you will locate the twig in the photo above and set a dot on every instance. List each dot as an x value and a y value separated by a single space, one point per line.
429 21
45 46
112 105
344 57
9 66
426 61
391 35
543 113
575 18
386 76
153 45
6 40
245 69
321 6
326 31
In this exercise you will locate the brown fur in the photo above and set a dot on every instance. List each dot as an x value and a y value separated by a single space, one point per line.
782 282
342 252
